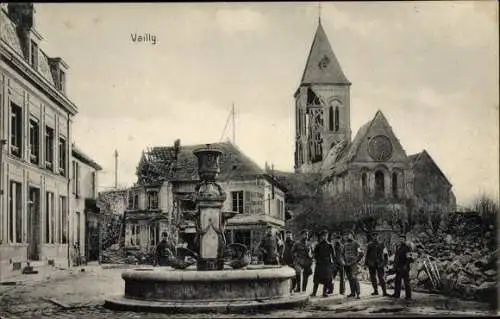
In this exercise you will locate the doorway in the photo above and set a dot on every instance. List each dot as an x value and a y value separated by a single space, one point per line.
34 223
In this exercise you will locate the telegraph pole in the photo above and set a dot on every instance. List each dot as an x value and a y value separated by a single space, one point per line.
234 128
116 169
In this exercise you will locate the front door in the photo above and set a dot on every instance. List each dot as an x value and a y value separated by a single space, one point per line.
34 223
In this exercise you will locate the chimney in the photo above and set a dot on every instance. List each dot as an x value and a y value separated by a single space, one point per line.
22 14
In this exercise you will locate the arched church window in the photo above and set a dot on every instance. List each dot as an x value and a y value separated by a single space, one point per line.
336 118
364 182
330 119
379 184
395 185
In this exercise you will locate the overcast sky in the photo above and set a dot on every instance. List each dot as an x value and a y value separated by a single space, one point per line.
431 68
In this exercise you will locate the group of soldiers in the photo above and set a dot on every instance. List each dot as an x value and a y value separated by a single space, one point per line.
341 257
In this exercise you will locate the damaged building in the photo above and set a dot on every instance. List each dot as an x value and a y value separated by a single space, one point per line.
165 188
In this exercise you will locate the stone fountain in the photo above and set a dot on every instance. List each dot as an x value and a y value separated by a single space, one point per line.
212 285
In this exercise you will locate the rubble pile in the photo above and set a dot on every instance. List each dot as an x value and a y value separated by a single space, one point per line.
458 258
113 255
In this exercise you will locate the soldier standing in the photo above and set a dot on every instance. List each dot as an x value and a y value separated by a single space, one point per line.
302 260
287 257
402 262
324 255
164 250
269 247
352 255
376 259
338 264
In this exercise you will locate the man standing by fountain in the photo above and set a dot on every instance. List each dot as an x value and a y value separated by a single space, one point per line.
324 255
287 258
352 255
269 247
376 260
338 264
302 260
164 250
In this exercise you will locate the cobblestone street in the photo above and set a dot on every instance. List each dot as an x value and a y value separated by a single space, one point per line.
76 294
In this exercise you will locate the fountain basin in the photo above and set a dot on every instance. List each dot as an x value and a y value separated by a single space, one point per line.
164 289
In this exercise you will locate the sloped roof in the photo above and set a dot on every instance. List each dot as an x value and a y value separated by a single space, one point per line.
334 164
162 163
8 33
424 155
77 153
320 52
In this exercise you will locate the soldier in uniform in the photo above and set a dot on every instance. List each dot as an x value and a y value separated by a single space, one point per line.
324 256
287 257
164 250
352 256
376 259
269 247
338 264
402 260
302 260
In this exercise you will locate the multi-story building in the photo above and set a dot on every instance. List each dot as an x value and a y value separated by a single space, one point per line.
84 204
35 133
167 177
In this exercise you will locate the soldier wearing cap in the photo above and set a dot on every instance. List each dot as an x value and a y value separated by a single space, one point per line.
302 260
287 257
338 263
269 247
376 260
402 261
324 255
352 256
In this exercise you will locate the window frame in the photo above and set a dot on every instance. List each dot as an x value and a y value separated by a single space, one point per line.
49 148
34 140
239 201
16 130
62 146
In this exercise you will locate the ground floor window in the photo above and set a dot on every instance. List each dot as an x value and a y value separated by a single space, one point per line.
243 237
135 235
63 221
153 235
15 217
49 218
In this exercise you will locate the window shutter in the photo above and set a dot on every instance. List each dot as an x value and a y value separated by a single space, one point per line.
247 197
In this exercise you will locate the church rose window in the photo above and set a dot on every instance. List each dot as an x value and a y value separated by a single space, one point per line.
380 148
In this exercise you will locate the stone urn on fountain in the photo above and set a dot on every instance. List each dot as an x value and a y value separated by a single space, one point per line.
210 285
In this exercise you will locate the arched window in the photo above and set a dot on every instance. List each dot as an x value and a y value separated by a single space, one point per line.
379 184
364 182
395 185
330 119
336 118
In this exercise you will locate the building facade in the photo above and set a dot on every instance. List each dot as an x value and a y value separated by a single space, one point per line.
84 213
36 221
373 167
167 177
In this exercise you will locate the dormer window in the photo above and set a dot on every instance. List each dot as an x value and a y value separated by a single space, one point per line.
62 81
34 55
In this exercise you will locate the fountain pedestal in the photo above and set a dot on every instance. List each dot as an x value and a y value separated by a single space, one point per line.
208 286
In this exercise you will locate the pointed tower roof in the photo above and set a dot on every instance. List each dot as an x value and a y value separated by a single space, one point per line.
322 66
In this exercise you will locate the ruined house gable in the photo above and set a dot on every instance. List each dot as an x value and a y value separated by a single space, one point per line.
430 183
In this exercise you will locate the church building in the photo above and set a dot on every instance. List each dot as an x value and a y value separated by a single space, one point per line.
373 165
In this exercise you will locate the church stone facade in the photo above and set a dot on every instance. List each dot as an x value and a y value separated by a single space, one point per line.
374 165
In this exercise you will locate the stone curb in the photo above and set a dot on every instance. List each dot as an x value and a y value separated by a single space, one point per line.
121 303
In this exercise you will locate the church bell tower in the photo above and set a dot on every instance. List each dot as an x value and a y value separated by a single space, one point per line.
322 106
